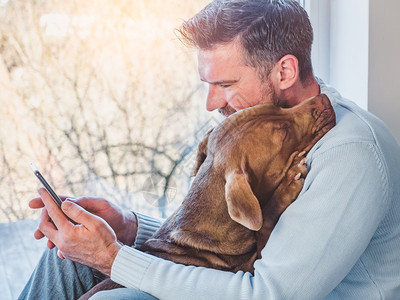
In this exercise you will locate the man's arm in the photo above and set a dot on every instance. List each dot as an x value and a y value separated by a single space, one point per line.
315 244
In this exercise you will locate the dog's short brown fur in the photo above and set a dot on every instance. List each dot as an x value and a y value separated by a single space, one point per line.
245 180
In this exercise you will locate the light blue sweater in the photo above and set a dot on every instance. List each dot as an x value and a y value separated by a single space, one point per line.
339 240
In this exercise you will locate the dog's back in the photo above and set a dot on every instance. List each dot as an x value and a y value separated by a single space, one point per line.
244 181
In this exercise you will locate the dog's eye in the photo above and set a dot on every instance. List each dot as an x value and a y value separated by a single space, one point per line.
284 129
285 126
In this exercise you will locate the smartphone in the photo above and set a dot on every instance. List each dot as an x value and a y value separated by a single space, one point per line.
46 185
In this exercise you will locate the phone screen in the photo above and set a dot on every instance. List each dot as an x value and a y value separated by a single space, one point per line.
46 185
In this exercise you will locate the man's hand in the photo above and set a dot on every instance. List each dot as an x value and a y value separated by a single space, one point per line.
123 222
92 241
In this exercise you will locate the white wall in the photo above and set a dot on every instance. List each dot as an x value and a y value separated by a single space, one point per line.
349 49
320 16
340 50
384 62
357 50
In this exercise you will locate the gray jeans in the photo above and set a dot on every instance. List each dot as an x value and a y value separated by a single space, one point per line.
55 278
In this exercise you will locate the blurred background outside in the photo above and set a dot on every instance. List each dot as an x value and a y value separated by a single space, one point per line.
103 98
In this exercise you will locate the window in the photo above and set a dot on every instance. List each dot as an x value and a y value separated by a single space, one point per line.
95 95
301 2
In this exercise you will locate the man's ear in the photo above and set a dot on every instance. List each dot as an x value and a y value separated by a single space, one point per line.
201 153
287 71
243 206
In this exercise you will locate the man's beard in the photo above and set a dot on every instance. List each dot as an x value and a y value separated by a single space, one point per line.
226 111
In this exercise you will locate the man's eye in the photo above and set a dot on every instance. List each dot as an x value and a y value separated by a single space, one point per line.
223 85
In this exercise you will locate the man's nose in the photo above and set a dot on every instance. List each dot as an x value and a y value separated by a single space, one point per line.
216 98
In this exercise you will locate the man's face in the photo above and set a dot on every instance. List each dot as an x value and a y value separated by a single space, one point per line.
233 85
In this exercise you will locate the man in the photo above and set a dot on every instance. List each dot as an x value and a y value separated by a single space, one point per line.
339 240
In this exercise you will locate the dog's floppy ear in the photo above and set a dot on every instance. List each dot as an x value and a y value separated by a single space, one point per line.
243 206
201 153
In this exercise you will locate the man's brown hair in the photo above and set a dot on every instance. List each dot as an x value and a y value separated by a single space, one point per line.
266 29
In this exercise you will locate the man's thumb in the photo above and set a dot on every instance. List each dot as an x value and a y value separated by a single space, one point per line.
74 212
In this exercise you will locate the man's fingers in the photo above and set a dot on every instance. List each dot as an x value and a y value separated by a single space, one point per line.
50 244
54 212
77 213
60 254
38 234
45 219
36 203
83 202
92 204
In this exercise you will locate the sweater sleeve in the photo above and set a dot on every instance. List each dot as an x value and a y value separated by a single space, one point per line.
316 242
146 227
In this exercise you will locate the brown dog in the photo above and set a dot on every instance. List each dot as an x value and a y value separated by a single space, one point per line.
245 179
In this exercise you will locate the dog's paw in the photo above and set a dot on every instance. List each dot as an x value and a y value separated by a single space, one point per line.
296 175
298 170
292 182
